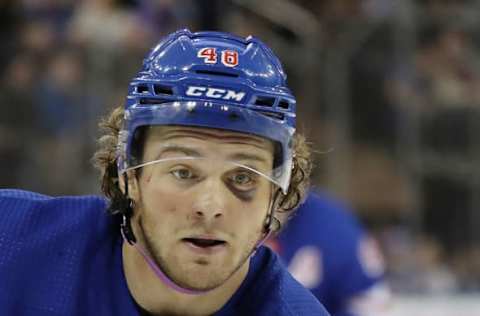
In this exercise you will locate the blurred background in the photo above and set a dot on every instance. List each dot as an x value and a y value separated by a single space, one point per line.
388 92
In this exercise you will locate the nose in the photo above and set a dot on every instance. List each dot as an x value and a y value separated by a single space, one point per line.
210 202
206 213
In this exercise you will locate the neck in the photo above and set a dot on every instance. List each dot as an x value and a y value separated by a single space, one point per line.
156 298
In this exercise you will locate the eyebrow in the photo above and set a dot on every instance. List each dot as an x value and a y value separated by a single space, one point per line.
175 148
245 156
193 153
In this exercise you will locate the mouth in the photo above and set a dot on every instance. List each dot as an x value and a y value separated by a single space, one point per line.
204 243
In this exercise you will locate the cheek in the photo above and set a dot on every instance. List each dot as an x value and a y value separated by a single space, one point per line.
158 201
251 214
259 201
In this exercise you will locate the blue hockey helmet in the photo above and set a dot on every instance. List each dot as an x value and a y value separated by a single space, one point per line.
213 80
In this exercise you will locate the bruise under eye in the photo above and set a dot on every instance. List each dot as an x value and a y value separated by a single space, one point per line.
243 195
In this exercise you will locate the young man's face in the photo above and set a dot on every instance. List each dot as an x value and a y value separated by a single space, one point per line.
201 218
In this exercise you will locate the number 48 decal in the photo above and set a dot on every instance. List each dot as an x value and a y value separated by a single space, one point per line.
228 57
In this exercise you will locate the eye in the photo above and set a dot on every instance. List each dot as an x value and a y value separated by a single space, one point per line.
183 174
243 180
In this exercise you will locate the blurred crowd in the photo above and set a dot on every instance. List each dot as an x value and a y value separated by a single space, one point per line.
388 91
65 64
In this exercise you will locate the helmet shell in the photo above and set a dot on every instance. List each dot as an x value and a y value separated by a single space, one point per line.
218 69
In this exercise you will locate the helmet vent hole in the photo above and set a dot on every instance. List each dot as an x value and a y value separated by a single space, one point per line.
283 104
265 101
142 89
159 89
153 101
216 73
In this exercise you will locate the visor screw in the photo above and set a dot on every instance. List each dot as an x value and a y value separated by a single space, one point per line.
233 116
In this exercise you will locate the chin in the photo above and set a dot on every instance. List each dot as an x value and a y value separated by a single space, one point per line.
202 280
198 272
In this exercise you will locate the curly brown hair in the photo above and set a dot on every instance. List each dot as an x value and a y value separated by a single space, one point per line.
104 159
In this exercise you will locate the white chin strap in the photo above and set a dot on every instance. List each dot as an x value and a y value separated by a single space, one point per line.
169 282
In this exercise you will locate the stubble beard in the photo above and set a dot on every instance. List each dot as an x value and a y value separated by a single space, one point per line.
153 249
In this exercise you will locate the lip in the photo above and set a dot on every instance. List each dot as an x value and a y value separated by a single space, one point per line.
211 250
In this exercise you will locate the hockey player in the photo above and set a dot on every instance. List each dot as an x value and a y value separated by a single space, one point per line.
197 168
329 252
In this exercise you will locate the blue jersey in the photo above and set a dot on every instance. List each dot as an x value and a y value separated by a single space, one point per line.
62 256
328 251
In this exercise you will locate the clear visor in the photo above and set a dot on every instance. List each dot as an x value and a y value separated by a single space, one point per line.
183 172
276 168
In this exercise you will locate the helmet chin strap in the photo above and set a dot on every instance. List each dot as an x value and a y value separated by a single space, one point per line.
128 235
272 224
156 269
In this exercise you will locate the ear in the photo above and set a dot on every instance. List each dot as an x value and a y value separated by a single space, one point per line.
133 189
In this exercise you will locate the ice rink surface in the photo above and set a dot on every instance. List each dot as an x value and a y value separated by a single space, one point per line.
441 305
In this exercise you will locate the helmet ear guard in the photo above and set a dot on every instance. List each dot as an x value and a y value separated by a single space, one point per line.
272 224
126 226
127 206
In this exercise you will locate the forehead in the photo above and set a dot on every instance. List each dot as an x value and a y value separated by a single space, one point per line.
207 141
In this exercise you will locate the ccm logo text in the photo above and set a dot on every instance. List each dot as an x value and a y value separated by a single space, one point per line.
215 93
